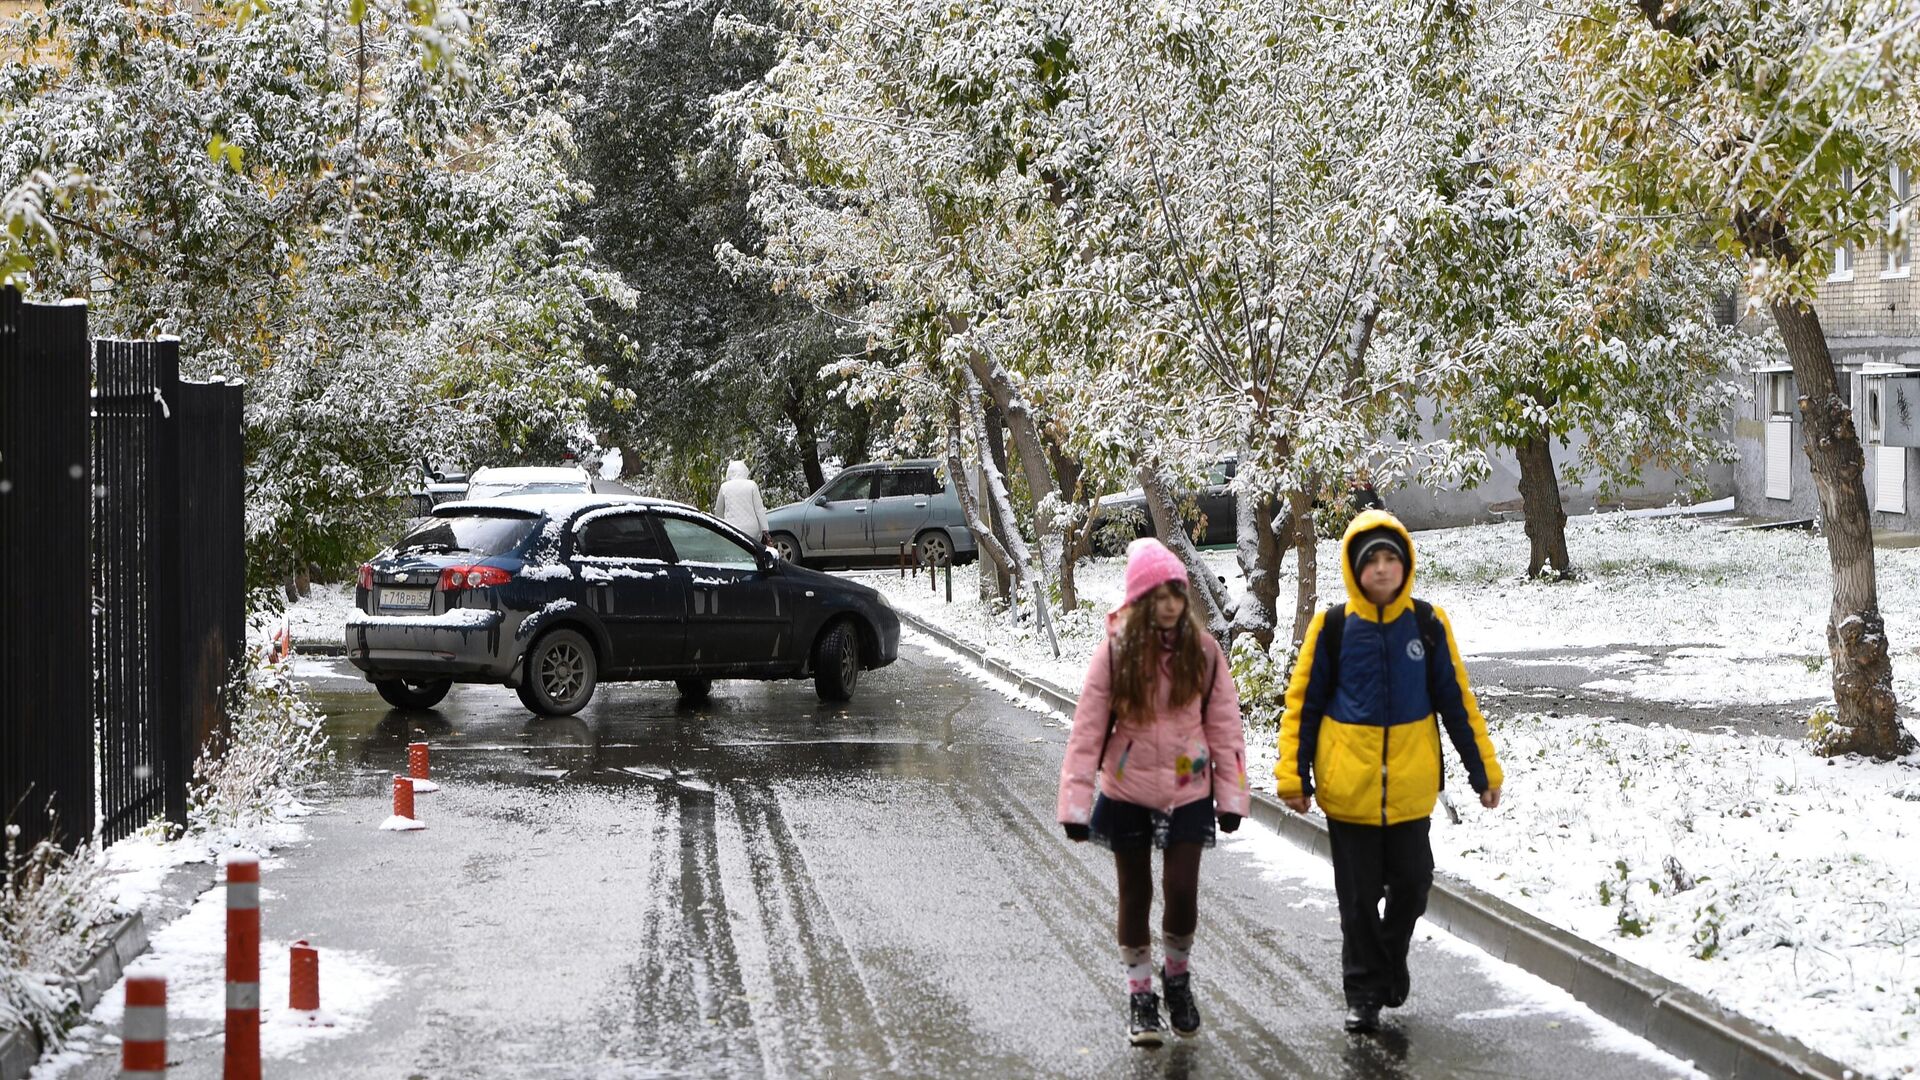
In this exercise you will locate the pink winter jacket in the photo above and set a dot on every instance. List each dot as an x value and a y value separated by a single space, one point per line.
1178 758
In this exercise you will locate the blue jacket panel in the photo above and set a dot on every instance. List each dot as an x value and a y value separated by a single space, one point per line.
1382 677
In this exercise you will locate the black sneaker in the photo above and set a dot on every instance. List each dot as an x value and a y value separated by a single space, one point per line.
1182 1014
1363 1018
1143 1019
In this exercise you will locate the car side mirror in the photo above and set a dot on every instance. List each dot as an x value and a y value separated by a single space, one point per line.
821 500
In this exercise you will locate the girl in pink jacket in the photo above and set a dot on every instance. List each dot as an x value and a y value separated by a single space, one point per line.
1158 726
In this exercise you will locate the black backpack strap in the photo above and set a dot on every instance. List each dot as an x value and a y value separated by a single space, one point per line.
1332 628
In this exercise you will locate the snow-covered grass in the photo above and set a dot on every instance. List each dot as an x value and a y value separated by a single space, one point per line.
52 913
322 614
1747 868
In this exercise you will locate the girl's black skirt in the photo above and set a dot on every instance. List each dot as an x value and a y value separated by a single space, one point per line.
1125 826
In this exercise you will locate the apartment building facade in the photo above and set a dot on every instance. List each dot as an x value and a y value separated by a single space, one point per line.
1869 307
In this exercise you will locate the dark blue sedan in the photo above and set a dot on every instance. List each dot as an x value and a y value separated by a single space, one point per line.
553 594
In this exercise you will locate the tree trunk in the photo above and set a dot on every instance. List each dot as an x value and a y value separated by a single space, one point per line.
983 535
1016 546
1074 544
1215 605
1257 528
1866 720
1306 546
806 433
1540 501
1030 450
997 447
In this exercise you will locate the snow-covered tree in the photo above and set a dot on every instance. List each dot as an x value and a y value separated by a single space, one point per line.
722 366
355 206
1769 132
1555 337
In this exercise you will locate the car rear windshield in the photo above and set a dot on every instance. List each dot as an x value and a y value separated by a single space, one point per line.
476 534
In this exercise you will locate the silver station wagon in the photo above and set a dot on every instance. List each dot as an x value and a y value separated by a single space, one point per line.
865 515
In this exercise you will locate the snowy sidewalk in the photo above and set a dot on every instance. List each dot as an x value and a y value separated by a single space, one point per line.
1738 865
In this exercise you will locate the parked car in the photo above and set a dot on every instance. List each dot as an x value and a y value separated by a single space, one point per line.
491 483
437 486
1210 519
866 513
554 594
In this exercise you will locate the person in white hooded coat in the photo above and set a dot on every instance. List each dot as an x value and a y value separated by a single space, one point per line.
739 503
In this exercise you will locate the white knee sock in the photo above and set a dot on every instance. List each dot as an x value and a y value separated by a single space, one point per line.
1139 962
1176 947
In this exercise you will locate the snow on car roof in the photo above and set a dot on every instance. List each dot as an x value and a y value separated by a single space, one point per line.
554 504
530 474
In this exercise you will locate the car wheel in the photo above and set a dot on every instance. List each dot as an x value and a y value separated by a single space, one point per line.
785 546
413 694
694 689
836 663
525 690
935 548
561 674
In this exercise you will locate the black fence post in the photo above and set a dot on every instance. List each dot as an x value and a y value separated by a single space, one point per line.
145 762
212 571
46 728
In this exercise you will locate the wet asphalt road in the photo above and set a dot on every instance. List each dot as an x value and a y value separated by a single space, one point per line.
764 886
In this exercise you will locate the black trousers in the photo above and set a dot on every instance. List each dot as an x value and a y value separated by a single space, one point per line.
1371 862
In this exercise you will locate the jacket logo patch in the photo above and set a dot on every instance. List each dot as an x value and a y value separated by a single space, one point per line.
1416 650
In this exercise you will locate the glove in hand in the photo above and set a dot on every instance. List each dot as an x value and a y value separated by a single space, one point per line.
1229 822
1077 833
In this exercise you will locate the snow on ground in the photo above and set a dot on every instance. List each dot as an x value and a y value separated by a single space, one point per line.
1521 993
191 952
322 614
1769 879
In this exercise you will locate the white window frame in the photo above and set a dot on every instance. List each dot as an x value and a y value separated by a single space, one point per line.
1843 254
1779 401
1899 244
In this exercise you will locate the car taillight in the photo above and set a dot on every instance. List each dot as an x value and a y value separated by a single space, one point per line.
455 578
366 575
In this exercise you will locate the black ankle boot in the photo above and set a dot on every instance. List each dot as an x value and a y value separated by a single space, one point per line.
1363 1018
1143 1019
1182 1013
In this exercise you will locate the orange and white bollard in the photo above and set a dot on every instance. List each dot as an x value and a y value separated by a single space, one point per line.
242 1060
402 819
143 1033
418 768
303 978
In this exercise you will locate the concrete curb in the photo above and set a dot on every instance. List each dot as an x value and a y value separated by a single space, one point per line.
319 648
20 1049
1719 1042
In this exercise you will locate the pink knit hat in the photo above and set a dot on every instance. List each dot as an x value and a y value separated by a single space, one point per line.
1149 563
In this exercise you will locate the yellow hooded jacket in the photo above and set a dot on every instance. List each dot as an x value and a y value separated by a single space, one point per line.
1361 730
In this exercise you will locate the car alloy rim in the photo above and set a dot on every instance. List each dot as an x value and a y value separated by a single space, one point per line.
936 549
849 664
784 548
562 671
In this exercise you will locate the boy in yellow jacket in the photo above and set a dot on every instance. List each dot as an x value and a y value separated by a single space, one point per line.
1377 679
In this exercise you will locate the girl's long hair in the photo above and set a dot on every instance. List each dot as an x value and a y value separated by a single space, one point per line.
1136 660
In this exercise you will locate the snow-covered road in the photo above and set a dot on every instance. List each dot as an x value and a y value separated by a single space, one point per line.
764 886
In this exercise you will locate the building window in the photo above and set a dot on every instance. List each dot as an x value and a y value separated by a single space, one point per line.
1780 393
1899 243
1843 251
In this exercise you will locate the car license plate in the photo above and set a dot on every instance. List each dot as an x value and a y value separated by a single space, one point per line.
405 599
